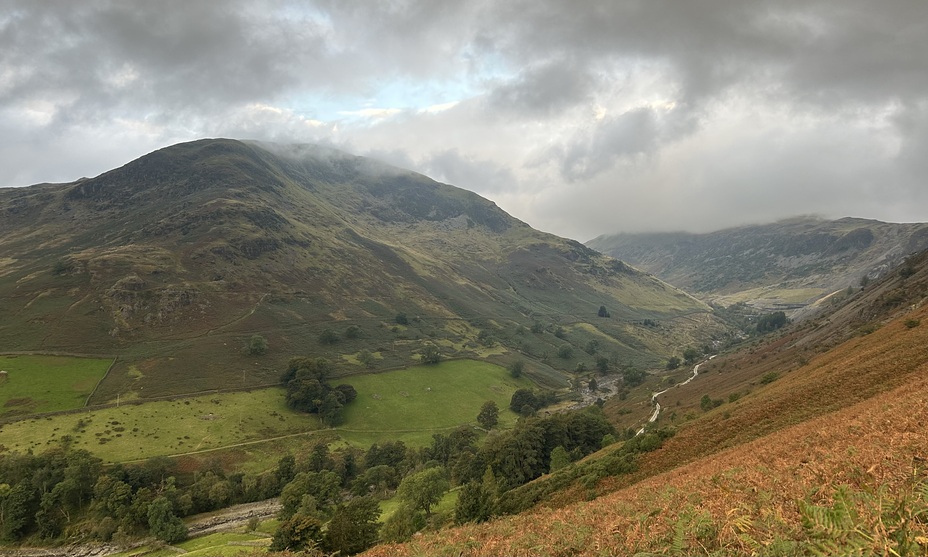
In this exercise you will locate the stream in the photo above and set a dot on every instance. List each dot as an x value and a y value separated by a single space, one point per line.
657 405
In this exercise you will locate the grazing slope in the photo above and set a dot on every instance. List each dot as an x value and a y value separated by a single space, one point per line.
829 458
786 265
174 260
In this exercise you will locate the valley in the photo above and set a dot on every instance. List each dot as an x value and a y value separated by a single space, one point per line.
394 365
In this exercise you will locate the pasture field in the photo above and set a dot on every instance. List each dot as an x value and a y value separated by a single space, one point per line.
34 384
412 404
219 544
171 427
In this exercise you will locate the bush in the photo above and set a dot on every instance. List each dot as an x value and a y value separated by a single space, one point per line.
769 378
912 323
257 346
328 336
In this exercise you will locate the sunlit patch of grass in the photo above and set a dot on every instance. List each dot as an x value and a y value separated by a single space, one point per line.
412 404
132 432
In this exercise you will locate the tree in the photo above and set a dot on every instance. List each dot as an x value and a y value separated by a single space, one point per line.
328 336
307 390
16 510
330 408
402 524
387 453
559 458
422 490
633 377
691 354
603 312
516 368
771 322
366 358
163 523
489 415
673 363
430 354
602 364
401 319
297 533
592 346
353 331
477 501
593 385
566 352
353 527
523 397
257 346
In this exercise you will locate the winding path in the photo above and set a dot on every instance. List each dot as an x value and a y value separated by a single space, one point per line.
657 405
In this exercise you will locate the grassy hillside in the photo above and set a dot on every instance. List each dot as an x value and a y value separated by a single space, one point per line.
826 457
173 261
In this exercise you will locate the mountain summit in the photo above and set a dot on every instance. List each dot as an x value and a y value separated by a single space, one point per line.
173 259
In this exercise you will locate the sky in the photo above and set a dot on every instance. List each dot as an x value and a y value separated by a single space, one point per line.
579 117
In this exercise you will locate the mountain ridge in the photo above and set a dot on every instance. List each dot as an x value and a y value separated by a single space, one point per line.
790 264
215 240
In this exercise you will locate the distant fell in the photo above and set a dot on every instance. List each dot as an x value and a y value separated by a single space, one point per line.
173 261
788 265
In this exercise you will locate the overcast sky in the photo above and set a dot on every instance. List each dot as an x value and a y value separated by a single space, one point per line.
578 117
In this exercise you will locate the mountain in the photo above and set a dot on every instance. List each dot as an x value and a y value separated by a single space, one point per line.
174 260
816 445
790 264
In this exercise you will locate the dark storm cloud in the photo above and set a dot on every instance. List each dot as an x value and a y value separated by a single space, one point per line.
97 56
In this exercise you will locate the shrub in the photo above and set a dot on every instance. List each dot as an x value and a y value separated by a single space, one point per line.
769 378
257 346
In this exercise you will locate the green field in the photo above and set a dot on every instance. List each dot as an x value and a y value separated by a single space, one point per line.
219 544
134 432
412 404
34 384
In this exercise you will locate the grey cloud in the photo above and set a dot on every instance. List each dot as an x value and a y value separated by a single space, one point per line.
594 151
718 107
544 89
482 176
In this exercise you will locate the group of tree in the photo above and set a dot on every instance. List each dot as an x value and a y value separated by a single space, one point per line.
526 401
68 492
308 390
418 478
329 498
771 322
